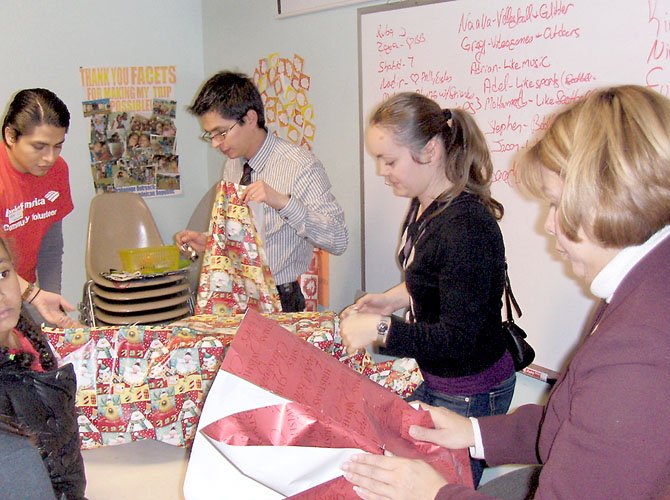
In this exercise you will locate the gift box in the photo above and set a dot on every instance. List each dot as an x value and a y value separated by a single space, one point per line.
282 417
235 275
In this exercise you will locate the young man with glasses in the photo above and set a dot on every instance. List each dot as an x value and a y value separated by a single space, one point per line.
299 210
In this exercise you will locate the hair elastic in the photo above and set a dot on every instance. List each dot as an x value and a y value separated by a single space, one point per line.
35 296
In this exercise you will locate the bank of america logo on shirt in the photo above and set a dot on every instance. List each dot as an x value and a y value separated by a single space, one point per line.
14 214
52 196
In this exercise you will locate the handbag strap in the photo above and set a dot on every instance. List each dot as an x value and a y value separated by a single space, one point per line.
509 299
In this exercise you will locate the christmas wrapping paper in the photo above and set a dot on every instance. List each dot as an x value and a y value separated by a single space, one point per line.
309 282
321 329
291 415
235 274
150 382
139 382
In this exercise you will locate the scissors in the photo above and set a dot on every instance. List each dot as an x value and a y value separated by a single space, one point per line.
189 251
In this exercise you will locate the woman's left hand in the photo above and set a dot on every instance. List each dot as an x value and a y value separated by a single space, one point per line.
358 330
388 477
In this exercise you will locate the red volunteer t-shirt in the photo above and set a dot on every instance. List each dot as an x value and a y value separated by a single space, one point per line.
29 206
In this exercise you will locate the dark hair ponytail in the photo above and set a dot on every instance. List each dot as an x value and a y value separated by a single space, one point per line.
31 108
469 164
31 331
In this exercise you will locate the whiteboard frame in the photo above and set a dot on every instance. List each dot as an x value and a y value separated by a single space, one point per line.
315 6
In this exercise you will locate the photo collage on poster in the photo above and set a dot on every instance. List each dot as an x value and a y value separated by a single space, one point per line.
133 152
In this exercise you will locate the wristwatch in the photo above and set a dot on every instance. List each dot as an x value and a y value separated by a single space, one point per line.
383 326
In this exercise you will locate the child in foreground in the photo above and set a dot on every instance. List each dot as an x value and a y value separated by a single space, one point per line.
34 392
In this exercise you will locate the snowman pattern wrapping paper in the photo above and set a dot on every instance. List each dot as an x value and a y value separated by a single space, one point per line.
150 382
140 382
235 274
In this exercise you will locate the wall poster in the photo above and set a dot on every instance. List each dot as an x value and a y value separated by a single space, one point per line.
132 132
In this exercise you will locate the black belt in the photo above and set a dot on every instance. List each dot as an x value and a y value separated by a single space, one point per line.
287 288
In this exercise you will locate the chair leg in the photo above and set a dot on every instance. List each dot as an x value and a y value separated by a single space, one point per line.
191 302
86 307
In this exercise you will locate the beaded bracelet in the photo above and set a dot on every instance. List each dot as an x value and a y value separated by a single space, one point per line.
26 293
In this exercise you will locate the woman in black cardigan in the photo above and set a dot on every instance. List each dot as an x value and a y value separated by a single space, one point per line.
453 257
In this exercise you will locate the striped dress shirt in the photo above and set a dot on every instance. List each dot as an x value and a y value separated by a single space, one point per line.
312 217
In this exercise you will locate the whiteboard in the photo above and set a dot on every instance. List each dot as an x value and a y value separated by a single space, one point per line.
511 64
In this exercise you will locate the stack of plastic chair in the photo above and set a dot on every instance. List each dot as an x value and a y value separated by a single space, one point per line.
119 221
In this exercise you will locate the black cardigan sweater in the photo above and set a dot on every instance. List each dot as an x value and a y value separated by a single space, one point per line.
456 281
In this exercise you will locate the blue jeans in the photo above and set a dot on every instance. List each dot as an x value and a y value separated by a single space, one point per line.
494 402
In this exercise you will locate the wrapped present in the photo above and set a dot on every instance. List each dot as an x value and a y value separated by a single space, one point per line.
309 282
314 282
235 275
282 417
139 382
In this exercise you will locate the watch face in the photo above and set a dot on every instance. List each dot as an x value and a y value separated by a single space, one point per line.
383 326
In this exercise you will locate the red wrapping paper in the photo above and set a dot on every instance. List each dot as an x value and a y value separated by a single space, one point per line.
332 406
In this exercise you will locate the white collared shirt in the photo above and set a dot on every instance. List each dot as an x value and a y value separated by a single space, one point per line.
312 217
610 277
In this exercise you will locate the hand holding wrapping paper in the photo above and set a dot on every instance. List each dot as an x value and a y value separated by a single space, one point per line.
235 274
316 403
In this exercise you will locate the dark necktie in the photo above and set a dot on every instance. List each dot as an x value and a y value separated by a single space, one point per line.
246 175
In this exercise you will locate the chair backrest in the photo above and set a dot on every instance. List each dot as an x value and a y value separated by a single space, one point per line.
116 221
202 214
199 221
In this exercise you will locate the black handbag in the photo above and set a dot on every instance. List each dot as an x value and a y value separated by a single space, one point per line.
522 352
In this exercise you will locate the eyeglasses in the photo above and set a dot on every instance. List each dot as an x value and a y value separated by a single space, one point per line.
209 137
